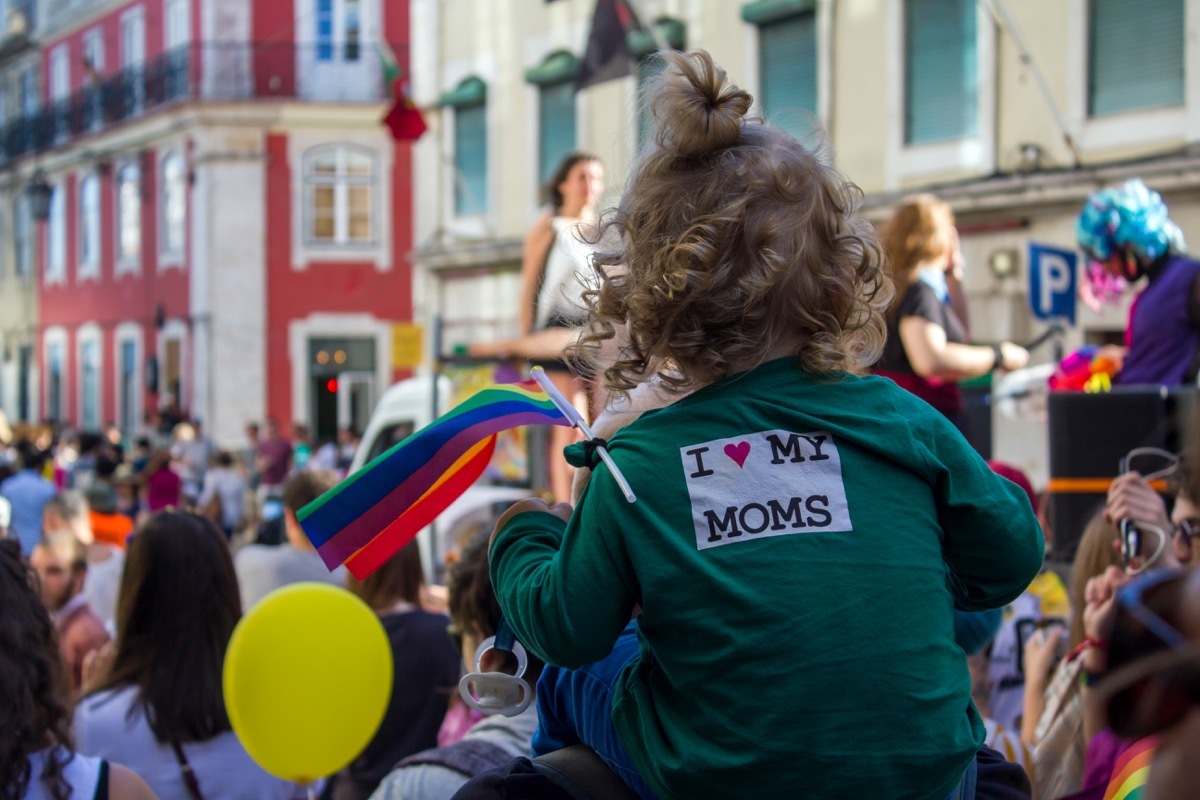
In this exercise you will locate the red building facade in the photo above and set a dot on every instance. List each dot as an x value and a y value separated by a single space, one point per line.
228 222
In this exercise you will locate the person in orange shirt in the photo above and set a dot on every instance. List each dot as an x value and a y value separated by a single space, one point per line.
109 526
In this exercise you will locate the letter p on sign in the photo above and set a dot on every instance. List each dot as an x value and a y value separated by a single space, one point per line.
1052 282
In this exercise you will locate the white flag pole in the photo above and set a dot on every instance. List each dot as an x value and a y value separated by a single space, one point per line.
576 419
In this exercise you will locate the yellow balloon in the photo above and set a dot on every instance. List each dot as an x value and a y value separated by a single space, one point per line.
307 679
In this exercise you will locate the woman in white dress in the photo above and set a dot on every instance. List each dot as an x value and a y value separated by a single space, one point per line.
555 272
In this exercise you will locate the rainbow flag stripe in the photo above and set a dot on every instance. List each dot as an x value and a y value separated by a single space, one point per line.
1131 770
370 515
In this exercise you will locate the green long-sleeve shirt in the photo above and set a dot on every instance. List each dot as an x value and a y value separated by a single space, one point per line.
796 547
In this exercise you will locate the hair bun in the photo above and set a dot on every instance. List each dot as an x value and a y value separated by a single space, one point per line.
696 110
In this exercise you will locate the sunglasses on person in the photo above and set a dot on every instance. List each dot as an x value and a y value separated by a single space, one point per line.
1155 676
1188 528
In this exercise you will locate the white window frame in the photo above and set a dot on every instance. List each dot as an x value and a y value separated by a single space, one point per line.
60 72
173 330
167 256
93 44
136 56
379 252
28 85
177 23
88 227
89 333
485 67
122 262
341 196
975 154
129 17
307 29
55 336
24 236
1136 126
321 324
125 333
56 236
824 32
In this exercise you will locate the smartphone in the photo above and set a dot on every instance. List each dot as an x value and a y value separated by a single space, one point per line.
1131 537
1027 628
272 509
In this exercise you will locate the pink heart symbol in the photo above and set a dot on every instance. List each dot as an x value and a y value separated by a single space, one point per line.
738 452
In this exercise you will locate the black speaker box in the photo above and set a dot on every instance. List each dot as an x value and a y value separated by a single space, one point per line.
1090 433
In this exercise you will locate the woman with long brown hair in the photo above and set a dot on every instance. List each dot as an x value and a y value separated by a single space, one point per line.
159 706
927 351
37 759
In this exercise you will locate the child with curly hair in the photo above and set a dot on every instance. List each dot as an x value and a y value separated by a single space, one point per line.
802 532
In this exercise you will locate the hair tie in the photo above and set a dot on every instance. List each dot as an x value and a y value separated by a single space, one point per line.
591 458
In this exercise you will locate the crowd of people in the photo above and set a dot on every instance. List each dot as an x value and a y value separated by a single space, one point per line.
821 590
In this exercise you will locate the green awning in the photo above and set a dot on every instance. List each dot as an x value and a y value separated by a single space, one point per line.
670 30
558 67
762 12
469 92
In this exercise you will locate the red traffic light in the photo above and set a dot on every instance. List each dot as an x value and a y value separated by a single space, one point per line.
331 385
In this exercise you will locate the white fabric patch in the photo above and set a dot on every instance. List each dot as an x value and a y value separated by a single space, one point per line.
772 483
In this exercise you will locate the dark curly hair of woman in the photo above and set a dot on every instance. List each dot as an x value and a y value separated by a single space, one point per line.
33 685
732 240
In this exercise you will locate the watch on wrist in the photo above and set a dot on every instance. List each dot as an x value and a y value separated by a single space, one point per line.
997 357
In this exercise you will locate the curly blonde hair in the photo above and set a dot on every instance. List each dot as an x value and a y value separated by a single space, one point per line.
732 239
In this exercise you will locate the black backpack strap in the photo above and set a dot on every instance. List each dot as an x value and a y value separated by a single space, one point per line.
468 757
102 782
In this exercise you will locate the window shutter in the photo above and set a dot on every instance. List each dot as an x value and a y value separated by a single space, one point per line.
941 80
556 127
1135 55
470 158
788 72
647 68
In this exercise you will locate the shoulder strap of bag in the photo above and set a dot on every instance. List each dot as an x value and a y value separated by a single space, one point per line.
102 782
189 777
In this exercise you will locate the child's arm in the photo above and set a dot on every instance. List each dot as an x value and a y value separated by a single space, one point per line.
993 543
565 587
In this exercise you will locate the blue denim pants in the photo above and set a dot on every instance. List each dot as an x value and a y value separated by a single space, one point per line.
575 707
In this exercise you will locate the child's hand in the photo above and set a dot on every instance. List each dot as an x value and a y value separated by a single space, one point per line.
1099 598
560 510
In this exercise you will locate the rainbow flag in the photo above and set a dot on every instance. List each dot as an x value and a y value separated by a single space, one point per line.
368 517
1131 770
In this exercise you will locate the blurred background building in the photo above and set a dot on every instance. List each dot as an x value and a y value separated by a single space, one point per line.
202 212
230 228
1011 110
941 95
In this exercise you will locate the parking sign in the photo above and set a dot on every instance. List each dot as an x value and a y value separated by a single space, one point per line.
1052 276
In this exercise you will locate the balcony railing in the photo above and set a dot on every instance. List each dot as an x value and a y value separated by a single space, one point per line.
213 72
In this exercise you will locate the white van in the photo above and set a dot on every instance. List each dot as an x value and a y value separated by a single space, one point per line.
407 407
